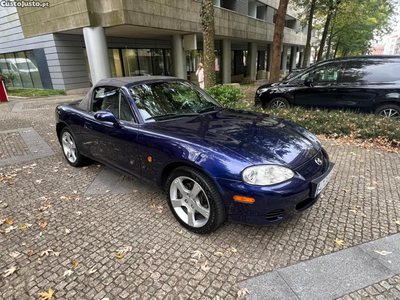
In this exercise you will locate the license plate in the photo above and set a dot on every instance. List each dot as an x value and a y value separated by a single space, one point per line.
323 183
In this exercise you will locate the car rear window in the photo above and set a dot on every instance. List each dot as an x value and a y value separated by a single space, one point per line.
372 71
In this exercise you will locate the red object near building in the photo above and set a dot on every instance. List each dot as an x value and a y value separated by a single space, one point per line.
3 92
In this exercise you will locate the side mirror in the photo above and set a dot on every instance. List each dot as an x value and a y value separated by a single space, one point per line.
106 116
309 81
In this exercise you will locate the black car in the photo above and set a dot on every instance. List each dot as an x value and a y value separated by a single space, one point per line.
364 83
293 73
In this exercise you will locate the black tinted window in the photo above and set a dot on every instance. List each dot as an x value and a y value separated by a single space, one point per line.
372 71
126 111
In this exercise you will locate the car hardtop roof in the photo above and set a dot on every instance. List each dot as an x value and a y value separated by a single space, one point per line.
360 57
122 81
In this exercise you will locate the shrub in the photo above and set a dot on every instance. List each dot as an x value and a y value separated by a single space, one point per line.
228 95
8 79
338 123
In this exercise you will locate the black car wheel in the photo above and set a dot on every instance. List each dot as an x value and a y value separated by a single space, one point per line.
70 149
194 200
388 111
279 103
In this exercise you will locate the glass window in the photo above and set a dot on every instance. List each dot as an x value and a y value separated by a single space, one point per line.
130 60
372 71
13 70
3 64
168 63
145 62
158 62
22 65
160 101
324 74
106 98
115 63
125 110
33 69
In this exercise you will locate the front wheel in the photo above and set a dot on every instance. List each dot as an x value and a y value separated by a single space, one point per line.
194 200
388 111
279 103
70 149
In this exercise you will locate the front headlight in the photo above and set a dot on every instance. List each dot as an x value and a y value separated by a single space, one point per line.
263 90
266 175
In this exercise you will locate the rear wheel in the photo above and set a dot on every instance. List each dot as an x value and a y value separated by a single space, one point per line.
70 149
279 103
194 200
388 111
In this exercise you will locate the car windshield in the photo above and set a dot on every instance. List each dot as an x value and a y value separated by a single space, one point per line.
165 100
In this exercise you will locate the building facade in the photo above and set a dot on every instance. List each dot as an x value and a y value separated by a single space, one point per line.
72 44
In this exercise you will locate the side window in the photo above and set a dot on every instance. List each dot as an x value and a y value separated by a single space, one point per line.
326 74
106 98
125 110
378 70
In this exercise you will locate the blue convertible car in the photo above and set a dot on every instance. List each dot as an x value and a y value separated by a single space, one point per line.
212 162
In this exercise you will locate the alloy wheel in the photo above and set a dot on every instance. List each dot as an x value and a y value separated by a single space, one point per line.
69 147
278 104
189 201
390 113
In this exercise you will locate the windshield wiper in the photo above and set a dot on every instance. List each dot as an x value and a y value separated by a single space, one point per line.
210 108
173 115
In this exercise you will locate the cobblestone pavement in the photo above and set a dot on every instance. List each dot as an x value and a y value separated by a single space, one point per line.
90 229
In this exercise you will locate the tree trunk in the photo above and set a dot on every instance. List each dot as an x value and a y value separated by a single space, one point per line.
307 50
278 41
324 35
207 21
336 49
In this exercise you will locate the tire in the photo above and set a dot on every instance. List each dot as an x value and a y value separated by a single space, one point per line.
70 149
179 185
279 103
388 111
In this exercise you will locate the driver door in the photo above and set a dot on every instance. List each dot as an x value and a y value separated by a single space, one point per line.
323 91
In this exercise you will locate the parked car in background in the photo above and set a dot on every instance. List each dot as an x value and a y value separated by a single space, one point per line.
212 162
364 83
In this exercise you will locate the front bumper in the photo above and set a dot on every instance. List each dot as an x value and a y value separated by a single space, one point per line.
274 203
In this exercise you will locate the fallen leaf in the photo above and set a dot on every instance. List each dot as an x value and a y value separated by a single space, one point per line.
193 261
384 253
135 191
107 191
346 190
75 263
354 208
10 271
56 253
9 221
159 209
92 270
339 242
39 181
46 252
30 253
220 254
242 293
79 213
39 261
68 273
24 226
14 254
374 182
397 222
363 215
47 295
232 250
370 188
10 229
44 224
204 267
197 254
67 231
153 206
119 255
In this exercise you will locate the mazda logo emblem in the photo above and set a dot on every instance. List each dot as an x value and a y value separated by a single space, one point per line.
318 161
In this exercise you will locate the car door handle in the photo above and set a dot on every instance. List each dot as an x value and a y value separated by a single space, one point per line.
87 125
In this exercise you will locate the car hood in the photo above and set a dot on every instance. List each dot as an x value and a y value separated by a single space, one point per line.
259 138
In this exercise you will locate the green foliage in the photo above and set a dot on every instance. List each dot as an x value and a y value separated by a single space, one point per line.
8 79
339 123
34 92
228 95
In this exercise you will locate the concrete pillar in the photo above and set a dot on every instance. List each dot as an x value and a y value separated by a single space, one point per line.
217 3
293 57
269 60
226 61
284 59
178 57
97 53
253 9
251 61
